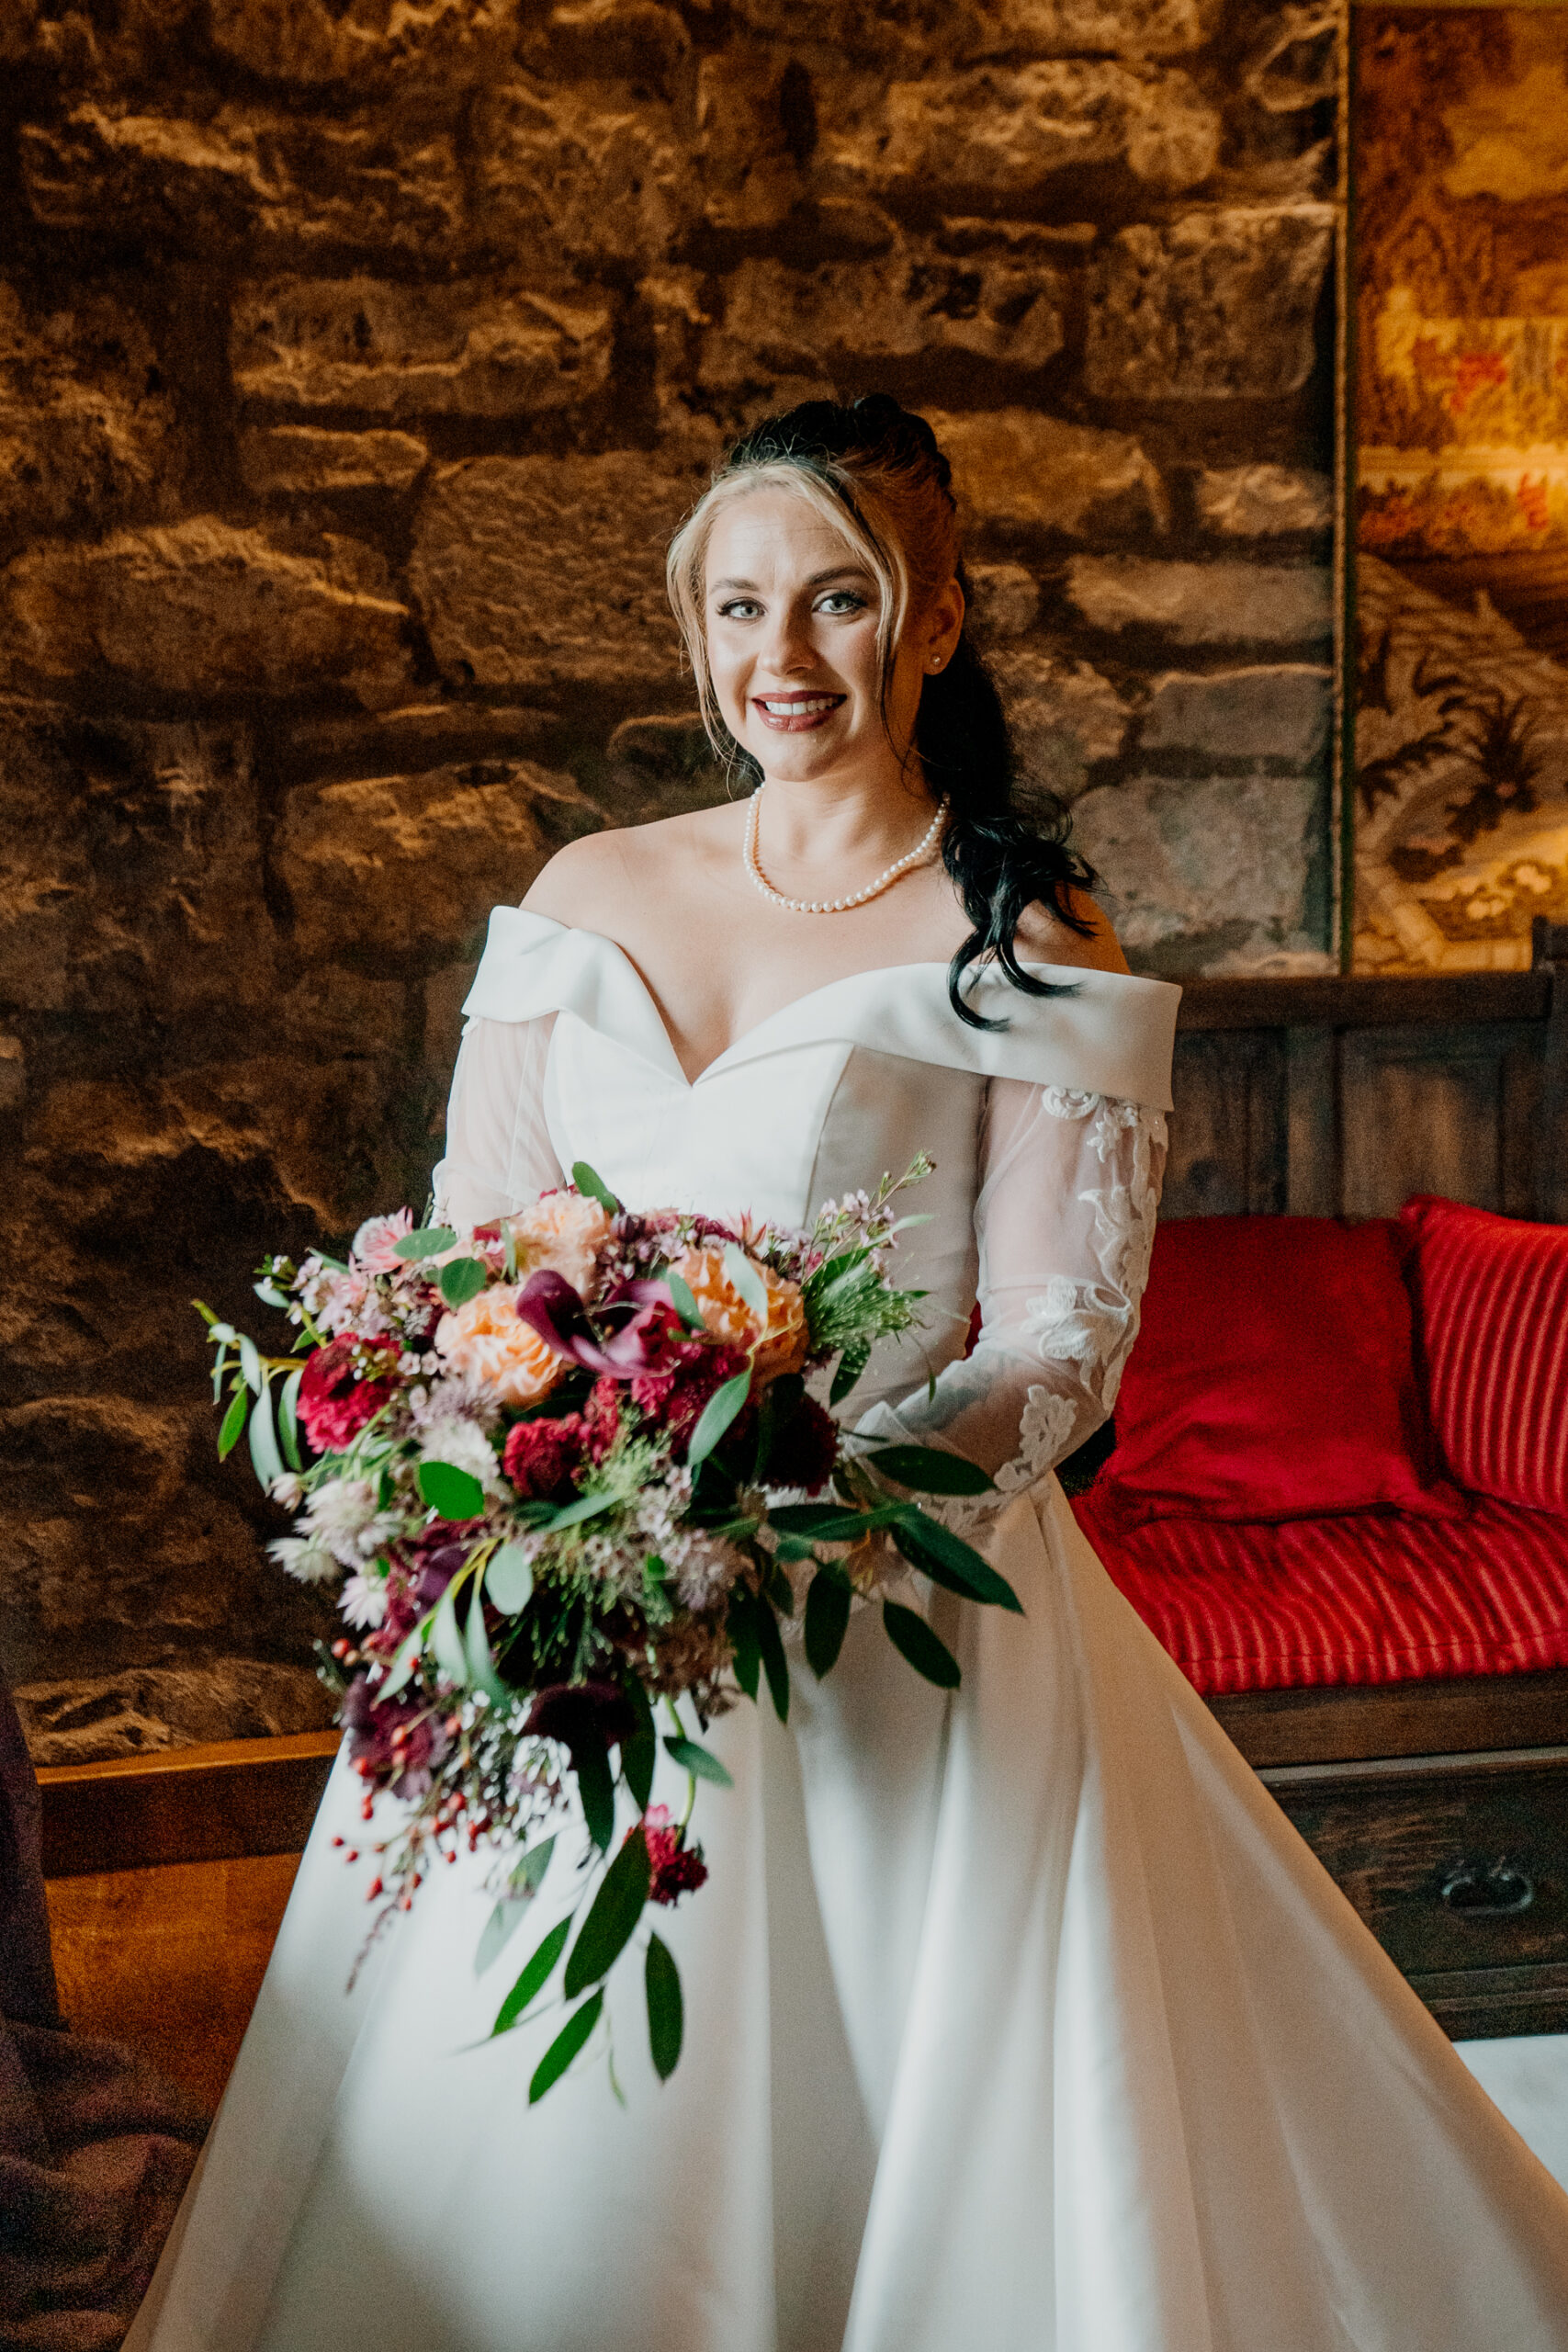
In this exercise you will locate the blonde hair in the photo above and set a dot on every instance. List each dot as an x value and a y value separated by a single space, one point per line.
898 518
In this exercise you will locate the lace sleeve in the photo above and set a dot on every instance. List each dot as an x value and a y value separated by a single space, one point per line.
499 1155
1065 1221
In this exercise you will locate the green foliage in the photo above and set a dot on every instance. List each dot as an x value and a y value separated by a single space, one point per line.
827 1619
535 1976
428 1243
716 1416
565 2047
612 1916
666 2010
926 1653
949 1561
928 1471
461 1279
509 1579
774 1664
233 1421
597 1788
691 1757
450 1492
593 1187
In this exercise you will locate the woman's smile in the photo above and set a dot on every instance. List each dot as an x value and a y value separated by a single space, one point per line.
795 714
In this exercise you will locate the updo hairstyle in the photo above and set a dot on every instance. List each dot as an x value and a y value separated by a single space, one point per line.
875 473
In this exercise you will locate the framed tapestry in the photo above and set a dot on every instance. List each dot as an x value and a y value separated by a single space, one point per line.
1456 800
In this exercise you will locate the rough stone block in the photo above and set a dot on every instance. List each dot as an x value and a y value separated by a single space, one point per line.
303 457
1294 62
662 766
1218 305
612 40
204 606
1004 599
13 1074
1065 717
1256 501
85 426
1281 713
756 125
593 172
333 1009
784 321
130 868
1002 133
313 42
1205 875
1201 602
472 348
539 571
405 863
387 179
1078 28
1017 471
90 1719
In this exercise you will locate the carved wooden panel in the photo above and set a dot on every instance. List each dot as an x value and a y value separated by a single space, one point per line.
1228 1134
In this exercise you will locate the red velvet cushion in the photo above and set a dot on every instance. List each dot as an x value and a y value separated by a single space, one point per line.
1273 1378
1492 1318
1367 1599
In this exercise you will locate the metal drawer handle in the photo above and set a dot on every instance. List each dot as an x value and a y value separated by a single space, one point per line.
1488 1890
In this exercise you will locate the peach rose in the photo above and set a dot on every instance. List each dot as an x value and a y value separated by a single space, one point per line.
483 1337
561 1234
782 1346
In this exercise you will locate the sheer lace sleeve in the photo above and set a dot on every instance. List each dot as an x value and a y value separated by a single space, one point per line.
1065 1221
499 1154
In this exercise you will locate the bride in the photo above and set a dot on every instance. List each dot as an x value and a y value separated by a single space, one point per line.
1021 2021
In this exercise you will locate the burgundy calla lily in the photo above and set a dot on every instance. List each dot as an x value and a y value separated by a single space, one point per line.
641 1343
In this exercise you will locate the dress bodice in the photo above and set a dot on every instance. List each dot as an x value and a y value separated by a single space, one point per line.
1039 1130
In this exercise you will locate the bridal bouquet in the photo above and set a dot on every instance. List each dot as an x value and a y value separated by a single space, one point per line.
552 1462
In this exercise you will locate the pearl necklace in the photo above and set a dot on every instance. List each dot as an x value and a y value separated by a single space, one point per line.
884 881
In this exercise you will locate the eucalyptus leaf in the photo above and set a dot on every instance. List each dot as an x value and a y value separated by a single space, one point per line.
639 1750
224 1333
405 1664
612 1916
219 1366
451 1492
565 2047
447 1641
508 1580
716 1416
740 1625
692 1758
481 1673
596 1791
528 1875
794 1547
288 1419
428 1243
928 1471
827 1619
250 1362
683 1302
233 1421
827 1523
270 1296
949 1561
590 1182
461 1279
498 1929
666 2009
926 1653
535 1976
585 1506
265 1459
747 1279
775 1666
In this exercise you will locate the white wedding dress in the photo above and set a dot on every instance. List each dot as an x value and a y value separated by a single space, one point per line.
1018 2019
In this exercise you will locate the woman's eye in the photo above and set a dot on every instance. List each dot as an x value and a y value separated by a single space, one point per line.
739 608
843 600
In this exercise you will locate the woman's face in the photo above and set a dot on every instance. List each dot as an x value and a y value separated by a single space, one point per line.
791 613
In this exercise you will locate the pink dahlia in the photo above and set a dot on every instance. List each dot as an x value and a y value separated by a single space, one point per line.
805 1449
675 1399
676 1867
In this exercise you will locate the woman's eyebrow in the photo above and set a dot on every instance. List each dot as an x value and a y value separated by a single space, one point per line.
817 580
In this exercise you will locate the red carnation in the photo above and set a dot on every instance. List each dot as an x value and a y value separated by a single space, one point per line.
542 1457
675 1399
334 1401
805 1449
675 1868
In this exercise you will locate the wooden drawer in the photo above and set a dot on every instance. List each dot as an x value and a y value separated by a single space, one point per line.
1459 1864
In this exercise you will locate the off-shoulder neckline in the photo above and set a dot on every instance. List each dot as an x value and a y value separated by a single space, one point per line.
744 1041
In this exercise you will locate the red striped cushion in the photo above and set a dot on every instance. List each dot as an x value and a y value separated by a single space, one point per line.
1492 1318
1396 1597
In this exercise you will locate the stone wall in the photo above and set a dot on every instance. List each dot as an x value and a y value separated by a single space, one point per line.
355 358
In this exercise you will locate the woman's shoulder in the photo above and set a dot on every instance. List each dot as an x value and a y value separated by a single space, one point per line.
584 883
1044 938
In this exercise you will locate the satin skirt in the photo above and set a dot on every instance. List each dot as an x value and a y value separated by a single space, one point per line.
1018 2018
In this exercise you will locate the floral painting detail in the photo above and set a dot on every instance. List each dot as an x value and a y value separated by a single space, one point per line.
569 1476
